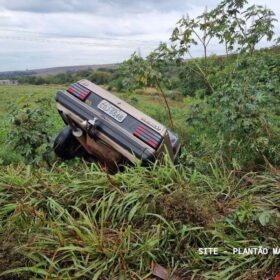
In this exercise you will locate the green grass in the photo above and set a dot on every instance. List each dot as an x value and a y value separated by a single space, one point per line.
76 221
73 221
8 94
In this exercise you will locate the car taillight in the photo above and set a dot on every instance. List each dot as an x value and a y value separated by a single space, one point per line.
79 91
147 135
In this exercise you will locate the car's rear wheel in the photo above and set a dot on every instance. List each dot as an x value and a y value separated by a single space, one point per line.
66 146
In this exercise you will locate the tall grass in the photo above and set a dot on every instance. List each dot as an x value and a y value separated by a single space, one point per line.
76 222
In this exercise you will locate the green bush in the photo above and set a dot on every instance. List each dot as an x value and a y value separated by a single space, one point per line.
241 113
29 128
100 77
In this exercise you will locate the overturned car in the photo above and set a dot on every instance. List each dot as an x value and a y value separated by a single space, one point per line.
103 128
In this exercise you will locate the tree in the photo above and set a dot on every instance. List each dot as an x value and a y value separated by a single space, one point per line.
144 72
189 32
192 32
235 24
262 26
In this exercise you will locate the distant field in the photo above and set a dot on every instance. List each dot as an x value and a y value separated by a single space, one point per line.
8 94
43 72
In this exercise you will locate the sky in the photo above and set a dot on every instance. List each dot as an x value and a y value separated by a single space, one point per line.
49 33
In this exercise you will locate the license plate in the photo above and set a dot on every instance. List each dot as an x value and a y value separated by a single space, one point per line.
112 110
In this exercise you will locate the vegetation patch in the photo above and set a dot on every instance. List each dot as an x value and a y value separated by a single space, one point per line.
70 220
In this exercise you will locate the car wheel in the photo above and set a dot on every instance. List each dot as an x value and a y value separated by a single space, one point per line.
66 146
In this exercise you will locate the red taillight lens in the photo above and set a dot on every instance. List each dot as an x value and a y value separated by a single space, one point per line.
79 91
148 136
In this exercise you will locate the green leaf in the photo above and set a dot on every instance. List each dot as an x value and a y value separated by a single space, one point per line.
264 218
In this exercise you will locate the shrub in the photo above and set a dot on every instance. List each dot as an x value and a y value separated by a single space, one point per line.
100 77
240 115
28 133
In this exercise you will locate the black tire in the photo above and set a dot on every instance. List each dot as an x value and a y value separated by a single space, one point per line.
66 146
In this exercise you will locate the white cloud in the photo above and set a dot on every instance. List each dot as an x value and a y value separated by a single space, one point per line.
100 6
